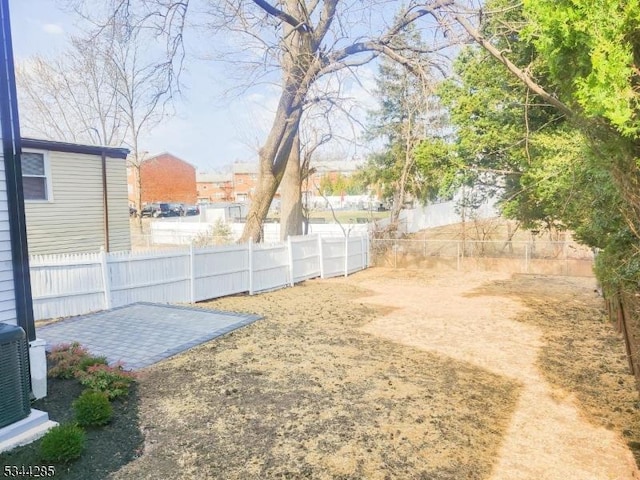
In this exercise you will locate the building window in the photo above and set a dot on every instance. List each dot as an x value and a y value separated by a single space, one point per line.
35 178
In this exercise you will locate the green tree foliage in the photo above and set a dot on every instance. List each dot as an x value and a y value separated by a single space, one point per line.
508 140
340 185
408 113
591 49
547 171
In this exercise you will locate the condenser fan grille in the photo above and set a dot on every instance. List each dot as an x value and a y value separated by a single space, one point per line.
14 375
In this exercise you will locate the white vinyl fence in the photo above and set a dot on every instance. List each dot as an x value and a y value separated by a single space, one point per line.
66 285
164 232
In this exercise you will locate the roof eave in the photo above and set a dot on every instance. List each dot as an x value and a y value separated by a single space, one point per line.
111 152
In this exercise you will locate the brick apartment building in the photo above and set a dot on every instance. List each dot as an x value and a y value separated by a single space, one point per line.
239 185
245 179
214 187
164 178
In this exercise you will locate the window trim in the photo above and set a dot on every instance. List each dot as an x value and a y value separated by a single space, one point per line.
47 175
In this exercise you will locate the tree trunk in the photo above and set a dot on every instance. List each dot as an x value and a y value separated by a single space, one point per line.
273 162
300 67
291 195
260 203
400 194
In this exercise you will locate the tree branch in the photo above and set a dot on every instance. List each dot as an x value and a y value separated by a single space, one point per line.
284 16
498 55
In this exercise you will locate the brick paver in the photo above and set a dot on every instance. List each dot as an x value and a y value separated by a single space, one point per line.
143 333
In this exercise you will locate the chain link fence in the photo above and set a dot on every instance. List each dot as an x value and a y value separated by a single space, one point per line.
537 257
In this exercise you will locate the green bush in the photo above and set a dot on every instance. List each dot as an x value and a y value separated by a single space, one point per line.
90 361
62 444
65 359
92 409
112 380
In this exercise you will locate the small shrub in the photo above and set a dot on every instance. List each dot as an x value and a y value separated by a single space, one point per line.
65 359
112 380
92 409
90 361
62 444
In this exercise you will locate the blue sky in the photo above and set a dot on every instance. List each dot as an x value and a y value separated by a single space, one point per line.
210 128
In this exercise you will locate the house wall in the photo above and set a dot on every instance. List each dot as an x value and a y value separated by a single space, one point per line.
166 178
244 185
117 202
73 219
7 291
215 191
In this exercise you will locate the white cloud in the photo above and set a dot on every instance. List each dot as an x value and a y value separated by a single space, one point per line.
52 28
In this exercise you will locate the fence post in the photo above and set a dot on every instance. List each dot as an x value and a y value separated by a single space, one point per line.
367 247
526 258
321 256
458 255
362 252
192 273
395 254
250 249
290 248
105 278
346 256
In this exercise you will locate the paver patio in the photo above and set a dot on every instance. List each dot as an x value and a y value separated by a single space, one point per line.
142 334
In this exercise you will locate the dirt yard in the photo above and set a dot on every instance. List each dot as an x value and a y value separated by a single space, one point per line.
399 374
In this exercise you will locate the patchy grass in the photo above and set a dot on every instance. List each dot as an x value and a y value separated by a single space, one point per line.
306 393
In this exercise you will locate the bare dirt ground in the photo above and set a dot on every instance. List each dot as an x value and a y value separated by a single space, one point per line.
399 374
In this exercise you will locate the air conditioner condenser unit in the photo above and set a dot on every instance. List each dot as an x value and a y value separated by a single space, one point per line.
14 375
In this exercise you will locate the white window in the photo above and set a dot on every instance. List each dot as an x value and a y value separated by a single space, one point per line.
35 176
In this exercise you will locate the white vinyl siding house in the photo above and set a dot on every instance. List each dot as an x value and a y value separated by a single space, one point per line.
65 201
20 423
118 205
7 288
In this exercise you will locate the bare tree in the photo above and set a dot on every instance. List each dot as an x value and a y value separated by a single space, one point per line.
144 88
309 52
72 98
305 40
327 112
110 88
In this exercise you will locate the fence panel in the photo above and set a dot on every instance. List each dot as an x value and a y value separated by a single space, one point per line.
179 233
305 257
149 277
270 266
65 285
220 271
333 250
540 257
356 257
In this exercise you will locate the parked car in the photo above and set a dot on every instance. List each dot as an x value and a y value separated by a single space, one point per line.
157 210
177 209
191 210
133 212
